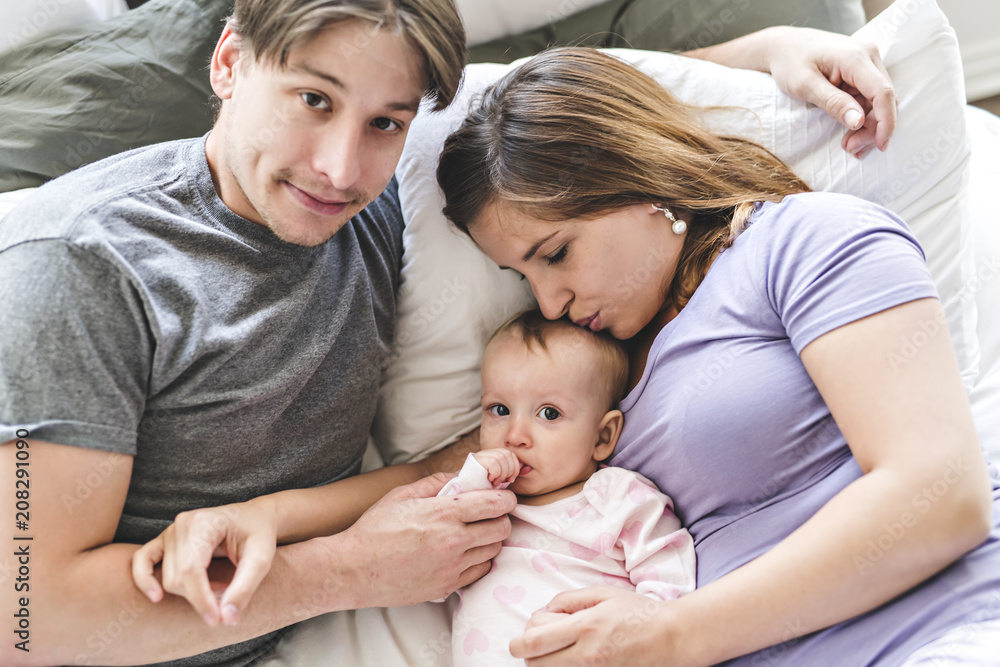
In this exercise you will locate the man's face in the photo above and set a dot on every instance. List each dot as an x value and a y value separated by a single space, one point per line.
303 148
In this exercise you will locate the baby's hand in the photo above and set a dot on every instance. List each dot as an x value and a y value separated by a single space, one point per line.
501 465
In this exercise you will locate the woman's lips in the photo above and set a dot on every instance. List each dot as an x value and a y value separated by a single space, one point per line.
593 322
314 203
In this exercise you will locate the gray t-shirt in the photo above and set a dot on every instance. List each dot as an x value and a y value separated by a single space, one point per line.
142 316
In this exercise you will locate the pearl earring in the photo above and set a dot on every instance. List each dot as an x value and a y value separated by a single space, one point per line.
678 226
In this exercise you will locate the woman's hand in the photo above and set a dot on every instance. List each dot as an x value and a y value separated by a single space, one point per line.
604 625
245 533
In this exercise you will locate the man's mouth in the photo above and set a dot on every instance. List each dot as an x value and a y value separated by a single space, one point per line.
316 203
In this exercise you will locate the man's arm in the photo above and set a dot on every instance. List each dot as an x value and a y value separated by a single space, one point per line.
247 534
84 609
839 74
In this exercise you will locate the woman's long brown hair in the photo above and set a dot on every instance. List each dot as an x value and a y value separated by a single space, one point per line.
575 133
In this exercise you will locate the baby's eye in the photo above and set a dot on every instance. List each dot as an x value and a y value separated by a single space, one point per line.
499 410
550 414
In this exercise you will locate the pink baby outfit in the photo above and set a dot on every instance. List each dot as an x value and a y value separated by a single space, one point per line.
618 531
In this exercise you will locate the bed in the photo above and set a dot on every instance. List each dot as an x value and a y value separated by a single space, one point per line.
938 175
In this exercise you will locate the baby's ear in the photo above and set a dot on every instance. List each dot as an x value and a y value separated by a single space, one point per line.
608 432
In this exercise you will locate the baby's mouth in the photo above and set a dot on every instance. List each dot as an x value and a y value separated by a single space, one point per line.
525 469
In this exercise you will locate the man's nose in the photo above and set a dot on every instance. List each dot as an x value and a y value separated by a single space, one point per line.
339 156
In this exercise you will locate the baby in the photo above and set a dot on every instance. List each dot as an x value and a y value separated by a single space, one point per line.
549 394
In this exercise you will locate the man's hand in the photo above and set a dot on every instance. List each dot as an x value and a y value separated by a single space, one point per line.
411 547
843 76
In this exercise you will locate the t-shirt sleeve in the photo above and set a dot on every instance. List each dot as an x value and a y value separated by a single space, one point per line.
834 259
74 348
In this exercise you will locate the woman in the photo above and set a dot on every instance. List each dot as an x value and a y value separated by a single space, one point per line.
836 491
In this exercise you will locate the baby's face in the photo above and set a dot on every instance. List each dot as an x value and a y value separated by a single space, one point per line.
546 407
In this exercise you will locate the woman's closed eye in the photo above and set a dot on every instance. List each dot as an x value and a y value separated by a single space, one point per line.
558 256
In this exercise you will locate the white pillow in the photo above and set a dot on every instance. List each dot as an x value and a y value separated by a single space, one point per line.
984 130
452 297
486 20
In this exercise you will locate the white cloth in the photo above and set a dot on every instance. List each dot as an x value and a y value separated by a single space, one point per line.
618 531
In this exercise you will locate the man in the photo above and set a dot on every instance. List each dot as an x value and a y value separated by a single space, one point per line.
204 322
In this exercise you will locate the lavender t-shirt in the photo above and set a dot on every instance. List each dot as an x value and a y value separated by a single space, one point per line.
726 420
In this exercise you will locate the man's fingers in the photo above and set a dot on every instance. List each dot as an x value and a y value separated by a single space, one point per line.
143 562
476 506
254 564
473 573
871 79
428 487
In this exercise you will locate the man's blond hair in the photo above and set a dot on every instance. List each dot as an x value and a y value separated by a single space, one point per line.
272 28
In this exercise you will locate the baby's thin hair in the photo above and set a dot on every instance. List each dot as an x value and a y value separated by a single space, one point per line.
534 329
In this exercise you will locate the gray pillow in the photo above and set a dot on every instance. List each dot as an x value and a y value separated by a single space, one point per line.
81 95
673 25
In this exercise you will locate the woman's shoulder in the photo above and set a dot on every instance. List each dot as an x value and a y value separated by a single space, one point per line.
807 221
824 209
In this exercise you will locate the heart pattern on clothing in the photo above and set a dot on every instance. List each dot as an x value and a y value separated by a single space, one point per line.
508 596
630 535
543 562
476 642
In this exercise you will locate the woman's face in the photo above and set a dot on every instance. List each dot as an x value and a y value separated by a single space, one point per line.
611 272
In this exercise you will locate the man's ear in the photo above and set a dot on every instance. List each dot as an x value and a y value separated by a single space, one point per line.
608 432
222 73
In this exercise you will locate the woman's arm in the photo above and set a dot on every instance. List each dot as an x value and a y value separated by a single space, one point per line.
908 423
839 74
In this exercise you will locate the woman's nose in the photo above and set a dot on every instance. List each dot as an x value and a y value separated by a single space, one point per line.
553 300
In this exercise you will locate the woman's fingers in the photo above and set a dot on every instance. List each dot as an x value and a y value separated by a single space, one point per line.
144 560
189 546
556 633
573 601
252 566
